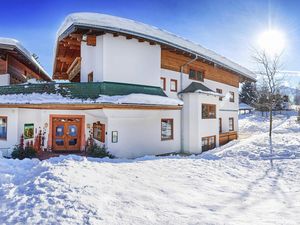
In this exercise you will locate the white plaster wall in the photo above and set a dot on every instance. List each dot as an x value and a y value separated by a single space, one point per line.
225 115
12 128
4 79
139 132
117 59
92 60
130 61
194 127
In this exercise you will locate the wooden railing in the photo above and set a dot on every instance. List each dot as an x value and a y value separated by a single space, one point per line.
224 138
74 68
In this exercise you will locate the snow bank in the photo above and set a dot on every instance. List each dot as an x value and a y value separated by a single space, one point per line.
123 25
223 186
37 98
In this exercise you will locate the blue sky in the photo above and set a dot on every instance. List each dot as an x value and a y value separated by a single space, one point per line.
229 27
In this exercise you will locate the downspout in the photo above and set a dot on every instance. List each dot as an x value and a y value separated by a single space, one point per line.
180 97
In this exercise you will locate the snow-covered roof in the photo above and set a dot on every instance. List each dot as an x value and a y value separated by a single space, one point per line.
15 44
127 26
245 106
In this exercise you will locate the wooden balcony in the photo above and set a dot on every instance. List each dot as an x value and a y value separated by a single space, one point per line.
74 69
224 138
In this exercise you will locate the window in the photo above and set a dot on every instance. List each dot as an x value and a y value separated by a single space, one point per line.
208 143
208 111
220 91
220 125
90 77
167 129
173 85
231 99
231 124
163 83
196 74
99 131
3 127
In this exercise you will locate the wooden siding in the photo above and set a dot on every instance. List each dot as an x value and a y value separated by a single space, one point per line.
3 66
224 138
172 61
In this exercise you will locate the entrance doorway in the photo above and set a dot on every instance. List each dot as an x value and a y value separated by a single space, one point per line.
66 133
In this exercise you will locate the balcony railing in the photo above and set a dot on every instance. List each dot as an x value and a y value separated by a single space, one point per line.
224 138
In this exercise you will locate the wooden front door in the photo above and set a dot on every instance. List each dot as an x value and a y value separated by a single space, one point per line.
66 134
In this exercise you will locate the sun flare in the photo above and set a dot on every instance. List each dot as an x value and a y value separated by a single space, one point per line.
272 41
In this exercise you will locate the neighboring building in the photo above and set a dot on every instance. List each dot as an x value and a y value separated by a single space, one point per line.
135 88
245 109
17 65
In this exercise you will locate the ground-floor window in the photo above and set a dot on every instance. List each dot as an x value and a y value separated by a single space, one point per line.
99 131
167 129
3 127
208 143
231 124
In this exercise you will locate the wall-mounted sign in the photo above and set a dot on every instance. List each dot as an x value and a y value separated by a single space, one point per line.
114 136
28 130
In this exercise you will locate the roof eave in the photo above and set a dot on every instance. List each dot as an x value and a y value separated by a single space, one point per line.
75 25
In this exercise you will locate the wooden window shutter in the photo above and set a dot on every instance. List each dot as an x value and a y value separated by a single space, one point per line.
91 40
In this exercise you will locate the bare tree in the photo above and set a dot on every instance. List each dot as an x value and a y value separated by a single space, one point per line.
269 66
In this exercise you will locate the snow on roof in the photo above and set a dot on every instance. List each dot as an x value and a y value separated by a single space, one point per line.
44 98
16 44
122 25
244 106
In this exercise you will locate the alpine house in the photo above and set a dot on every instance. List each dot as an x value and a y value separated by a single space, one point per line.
17 65
132 87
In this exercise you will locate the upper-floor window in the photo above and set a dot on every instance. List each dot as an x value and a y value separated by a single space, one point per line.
173 85
220 125
231 124
220 91
3 127
163 83
167 129
196 74
90 77
208 111
231 99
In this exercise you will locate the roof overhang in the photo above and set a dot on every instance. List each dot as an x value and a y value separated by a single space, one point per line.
24 58
80 28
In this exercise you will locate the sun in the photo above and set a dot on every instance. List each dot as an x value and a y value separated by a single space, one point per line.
272 41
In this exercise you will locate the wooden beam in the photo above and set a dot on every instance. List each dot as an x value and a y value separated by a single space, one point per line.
81 106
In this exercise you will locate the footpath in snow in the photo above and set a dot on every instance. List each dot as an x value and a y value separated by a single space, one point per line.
235 184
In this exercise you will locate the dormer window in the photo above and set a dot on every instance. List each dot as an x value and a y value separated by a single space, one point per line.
196 74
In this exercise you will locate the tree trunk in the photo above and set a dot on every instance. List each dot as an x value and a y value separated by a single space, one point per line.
271 121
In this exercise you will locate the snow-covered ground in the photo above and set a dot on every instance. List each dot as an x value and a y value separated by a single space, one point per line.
234 184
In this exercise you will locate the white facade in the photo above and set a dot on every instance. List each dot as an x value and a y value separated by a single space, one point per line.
139 131
4 79
117 59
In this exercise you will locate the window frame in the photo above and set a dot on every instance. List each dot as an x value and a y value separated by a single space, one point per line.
172 129
4 138
209 145
220 125
91 74
164 83
231 128
173 90
196 70
232 96
100 126
209 105
219 91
